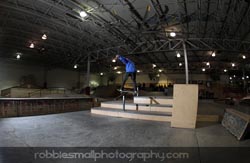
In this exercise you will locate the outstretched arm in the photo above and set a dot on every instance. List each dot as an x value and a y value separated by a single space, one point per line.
121 58
116 57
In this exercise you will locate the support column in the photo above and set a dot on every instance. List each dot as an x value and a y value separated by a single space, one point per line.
244 81
45 74
186 61
88 72
87 83
78 84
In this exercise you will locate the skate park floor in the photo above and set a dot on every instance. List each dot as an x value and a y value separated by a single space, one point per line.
83 129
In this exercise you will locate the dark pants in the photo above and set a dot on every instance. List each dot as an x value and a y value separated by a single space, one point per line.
125 78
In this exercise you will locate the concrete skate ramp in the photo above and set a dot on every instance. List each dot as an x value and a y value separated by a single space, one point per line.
106 91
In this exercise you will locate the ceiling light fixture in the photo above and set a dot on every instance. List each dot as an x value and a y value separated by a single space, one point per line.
244 57
44 37
208 64
18 56
160 70
101 73
203 69
213 54
225 70
138 71
115 68
233 64
180 64
154 65
178 55
243 78
230 78
247 77
118 72
172 34
83 14
75 66
32 45
113 60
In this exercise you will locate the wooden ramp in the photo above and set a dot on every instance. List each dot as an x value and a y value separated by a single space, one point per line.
143 115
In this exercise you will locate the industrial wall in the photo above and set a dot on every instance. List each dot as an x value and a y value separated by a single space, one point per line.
172 78
10 74
62 78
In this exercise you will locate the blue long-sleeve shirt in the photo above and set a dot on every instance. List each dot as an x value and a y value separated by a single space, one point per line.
130 66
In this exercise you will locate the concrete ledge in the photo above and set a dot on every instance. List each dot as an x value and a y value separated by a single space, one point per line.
132 114
163 100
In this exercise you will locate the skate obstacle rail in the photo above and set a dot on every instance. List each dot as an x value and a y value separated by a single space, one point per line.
181 110
123 95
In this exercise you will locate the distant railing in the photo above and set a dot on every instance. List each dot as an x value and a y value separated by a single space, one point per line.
49 91
5 92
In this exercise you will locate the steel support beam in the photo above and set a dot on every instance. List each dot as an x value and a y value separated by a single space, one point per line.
186 61
88 72
194 44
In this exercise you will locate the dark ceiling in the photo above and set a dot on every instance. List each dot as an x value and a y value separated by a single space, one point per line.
138 29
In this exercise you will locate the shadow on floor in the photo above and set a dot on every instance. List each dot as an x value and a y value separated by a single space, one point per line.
206 124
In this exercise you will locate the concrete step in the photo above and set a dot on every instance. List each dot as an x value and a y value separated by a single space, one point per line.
143 115
162 100
139 107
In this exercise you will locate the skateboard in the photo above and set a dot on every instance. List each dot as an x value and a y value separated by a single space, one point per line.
126 91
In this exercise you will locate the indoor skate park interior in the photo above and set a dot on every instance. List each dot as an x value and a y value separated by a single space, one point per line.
63 64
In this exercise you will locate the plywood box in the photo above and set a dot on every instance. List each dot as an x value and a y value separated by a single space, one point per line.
185 106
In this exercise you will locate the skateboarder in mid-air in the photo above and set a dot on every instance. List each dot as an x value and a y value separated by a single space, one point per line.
130 71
